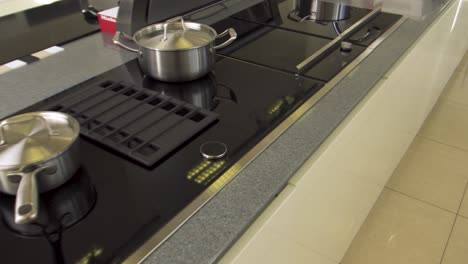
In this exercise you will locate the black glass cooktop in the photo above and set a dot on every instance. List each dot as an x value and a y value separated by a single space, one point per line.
284 49
112 205
26 32
281 15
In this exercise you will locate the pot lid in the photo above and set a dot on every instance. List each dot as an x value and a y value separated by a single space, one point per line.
35 137
175 36
178 39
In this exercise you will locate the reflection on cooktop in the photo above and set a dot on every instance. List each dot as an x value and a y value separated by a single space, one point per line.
205 92
59 210
284 49
345 17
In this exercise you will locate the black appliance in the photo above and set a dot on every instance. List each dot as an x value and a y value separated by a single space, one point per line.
42 27
145 142
135 14
265 45
282 15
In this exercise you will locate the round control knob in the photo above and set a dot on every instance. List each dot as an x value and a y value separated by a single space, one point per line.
213 150
346 46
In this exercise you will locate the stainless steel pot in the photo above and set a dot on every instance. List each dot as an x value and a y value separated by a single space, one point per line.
177 51
319 10
38 152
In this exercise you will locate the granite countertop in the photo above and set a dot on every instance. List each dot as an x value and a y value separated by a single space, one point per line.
211 231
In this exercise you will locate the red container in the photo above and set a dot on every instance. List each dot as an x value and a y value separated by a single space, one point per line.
108 20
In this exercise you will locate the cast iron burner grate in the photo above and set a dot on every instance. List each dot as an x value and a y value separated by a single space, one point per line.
139 123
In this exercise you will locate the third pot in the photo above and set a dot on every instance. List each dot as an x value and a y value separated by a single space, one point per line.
319 10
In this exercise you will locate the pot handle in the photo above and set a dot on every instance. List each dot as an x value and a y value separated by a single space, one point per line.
116 40
294 17
6 123
233 35
232 96
171 21
27 196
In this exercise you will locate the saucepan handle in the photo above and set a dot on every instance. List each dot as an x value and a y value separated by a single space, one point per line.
116 40
171 21
293 16
27 197
233 35
232 96
6 123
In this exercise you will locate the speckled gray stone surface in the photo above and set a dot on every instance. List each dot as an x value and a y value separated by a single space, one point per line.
80 61
212 230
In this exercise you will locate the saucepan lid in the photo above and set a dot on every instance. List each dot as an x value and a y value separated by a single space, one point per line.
175 34
34 137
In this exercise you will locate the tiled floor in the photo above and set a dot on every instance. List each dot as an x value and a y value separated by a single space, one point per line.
422 215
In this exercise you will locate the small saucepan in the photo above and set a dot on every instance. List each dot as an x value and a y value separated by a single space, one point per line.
176 51
38 152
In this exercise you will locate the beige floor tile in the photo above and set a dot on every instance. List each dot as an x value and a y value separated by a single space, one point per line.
271 248
457 249
401 230
448 124
464 207
456 89
432 172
